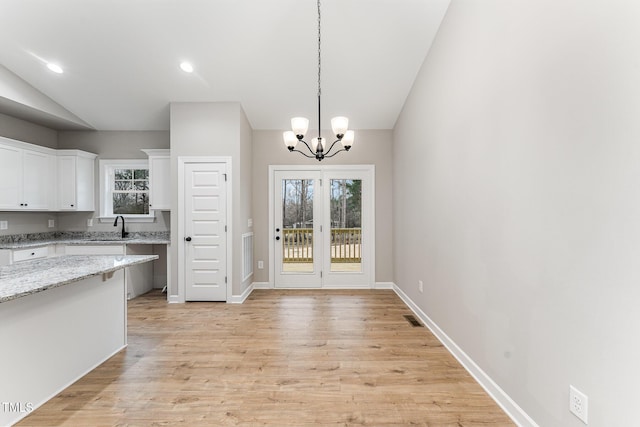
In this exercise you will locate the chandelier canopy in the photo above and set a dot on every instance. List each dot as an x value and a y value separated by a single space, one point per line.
300 126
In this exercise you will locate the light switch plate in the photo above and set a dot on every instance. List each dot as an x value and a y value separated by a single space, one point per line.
4 225
250 222
90 222
52 223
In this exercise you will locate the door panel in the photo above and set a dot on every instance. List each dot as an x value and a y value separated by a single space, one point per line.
206 241
298 253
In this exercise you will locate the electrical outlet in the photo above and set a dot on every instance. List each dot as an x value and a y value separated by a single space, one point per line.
578 403
260 265
4 225
90 222
420 286
52 223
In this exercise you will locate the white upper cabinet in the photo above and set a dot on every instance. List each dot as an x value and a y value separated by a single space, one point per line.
27 176
159 182
76 180
35 178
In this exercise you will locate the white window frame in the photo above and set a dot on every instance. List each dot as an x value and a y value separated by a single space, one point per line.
107 167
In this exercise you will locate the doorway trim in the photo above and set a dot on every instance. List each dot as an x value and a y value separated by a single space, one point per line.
182 160
371 172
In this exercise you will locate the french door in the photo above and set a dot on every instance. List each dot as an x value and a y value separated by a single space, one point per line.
322 227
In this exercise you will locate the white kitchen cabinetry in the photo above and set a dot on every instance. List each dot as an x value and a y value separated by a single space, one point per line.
11 256
27 175
76 180
159 183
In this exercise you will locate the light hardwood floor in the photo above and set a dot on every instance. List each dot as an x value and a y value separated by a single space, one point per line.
283 358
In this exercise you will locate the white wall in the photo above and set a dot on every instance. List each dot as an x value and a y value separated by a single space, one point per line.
517 199
370 147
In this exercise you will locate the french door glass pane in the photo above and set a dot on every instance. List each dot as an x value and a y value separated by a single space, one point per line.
346 225
297 224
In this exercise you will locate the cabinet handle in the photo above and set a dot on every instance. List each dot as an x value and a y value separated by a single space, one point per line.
71 205
33 253
21 204
188 239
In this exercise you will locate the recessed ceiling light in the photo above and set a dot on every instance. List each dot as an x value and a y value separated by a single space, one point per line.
186 67
55 68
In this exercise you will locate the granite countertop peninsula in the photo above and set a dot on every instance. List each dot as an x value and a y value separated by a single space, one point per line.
26 278
32 240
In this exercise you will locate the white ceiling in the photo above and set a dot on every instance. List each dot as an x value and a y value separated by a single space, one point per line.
121 57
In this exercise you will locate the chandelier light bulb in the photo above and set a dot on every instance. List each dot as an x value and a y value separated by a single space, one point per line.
347 140
339 125
290 139
300 125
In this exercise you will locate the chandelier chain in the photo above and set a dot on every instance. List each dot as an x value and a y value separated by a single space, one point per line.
319 51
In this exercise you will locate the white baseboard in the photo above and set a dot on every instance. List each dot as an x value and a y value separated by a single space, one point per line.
507 404
262 285
384 285
239 299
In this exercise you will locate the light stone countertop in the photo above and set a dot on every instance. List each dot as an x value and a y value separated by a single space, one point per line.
26 278
86 239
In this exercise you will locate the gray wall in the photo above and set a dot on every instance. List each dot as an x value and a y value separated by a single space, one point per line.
111 145
27 222
370 147
516 193
213 129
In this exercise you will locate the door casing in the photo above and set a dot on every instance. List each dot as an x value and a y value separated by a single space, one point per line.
369 171
182 160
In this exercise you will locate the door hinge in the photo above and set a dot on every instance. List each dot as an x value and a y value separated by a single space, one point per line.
321 274
320 182
225 228
321 229
225 177
225 279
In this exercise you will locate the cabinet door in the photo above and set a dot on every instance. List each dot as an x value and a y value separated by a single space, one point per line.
67 183
159 183
10 177
37 180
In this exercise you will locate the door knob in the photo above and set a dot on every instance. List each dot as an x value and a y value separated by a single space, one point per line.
277 230
277 237
188 239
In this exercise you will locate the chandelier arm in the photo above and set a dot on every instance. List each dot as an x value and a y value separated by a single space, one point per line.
308 148
343 149
301 152
331 148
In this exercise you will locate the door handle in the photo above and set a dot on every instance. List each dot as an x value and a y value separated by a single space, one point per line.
277 230
188 239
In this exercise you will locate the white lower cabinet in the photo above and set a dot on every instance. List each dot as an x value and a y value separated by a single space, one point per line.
11 256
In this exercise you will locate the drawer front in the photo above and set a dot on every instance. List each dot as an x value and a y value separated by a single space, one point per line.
94 250
32 253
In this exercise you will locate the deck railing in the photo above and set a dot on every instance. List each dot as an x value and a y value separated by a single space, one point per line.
346 245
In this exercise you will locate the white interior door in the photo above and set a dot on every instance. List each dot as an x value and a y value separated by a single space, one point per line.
297 229
205 232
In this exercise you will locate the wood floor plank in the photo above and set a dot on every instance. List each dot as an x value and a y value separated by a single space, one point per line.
283 358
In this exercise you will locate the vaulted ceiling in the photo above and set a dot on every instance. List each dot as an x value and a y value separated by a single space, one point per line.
121 57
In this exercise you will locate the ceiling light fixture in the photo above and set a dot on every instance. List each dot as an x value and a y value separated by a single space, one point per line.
186 67
300 125
55 68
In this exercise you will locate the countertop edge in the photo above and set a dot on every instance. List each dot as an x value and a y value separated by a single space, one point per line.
131 260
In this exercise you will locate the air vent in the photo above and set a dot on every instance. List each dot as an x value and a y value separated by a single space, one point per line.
413 321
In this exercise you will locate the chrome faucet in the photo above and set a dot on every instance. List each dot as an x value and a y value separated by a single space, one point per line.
115 224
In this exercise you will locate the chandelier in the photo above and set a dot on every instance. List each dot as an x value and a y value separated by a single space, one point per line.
300 125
